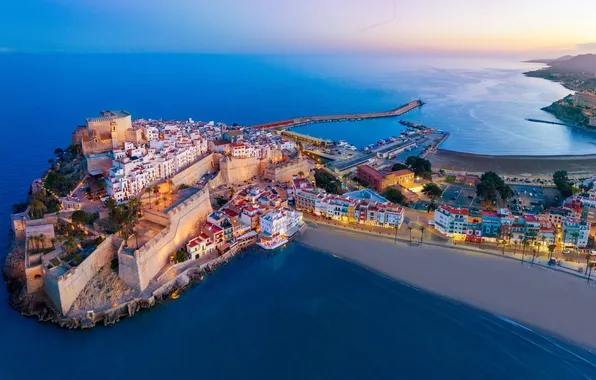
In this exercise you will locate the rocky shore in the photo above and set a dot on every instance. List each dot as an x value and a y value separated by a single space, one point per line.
38 305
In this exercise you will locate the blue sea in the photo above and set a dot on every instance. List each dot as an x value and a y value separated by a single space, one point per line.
299 313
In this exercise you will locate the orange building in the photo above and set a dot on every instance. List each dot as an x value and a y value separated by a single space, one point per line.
381 181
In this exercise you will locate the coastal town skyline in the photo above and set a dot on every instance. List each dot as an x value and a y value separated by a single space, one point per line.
298 189
461 27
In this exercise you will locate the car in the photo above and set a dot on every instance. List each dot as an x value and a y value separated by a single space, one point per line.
470 197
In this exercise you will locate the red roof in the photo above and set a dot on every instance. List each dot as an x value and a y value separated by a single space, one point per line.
456 211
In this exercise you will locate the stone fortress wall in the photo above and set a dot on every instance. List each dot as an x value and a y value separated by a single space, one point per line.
235 170
138 268
64 288
194 172
284 171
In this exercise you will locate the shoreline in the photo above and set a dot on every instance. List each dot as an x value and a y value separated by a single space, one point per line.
513 164
37 305
532 296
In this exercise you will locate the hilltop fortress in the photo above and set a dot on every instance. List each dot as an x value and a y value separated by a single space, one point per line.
162 155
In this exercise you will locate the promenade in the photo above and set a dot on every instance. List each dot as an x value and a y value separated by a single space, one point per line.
341 117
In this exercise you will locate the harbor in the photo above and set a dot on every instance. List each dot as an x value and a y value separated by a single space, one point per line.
301 121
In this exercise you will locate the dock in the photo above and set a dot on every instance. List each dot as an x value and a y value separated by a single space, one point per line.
290 123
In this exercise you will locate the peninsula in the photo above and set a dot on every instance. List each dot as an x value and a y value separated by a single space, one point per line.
577 73
135 211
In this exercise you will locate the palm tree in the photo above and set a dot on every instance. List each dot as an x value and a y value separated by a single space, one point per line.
551 250
157 204
503 242
42 240
588 257
525 244
410 230
515 243
69 245
53 241
301 174
150 192
396 228
421 228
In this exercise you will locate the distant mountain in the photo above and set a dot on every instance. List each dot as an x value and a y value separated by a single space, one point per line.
585 63
550 60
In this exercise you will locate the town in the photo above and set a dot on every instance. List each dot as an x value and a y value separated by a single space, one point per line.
149 206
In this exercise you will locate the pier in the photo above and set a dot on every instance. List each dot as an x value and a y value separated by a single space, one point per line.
343 117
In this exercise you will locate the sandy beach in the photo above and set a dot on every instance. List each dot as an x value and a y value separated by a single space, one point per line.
513 165
536 297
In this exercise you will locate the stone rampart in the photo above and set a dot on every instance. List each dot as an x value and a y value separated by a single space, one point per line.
236 170
283 172
64 288
194 172
139 268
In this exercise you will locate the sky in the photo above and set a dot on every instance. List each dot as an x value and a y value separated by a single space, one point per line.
549 27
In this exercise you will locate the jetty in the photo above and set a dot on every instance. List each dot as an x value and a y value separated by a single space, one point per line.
290 123
550 122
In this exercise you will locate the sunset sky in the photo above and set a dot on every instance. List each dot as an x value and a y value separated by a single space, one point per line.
271 26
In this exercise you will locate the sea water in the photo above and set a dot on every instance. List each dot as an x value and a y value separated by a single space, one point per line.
299 313
294 314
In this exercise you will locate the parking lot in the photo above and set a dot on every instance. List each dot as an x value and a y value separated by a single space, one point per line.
531 199
461 196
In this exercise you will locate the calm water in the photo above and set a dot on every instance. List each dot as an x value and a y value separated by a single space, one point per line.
299 314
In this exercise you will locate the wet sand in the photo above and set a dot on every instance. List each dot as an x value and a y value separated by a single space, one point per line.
536 297
513 165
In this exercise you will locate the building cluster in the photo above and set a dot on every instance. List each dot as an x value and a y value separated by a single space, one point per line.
142 151
252 211
556 225
170 147
363 207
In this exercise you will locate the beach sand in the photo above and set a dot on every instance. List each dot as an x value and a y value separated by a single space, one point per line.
543 166
557 303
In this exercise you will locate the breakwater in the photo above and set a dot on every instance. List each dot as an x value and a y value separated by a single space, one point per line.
297 122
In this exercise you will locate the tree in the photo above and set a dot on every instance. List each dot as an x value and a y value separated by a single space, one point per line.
525 244
503 243
410 230
398 166
69 245
42 240
551 250
79 218
19 207
422 229
394 195
492 186
563 183
179 256
301 174
419 165
432 190
37 209
328 182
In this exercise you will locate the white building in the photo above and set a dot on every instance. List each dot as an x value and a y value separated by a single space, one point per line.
576 232
451 221
200 246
